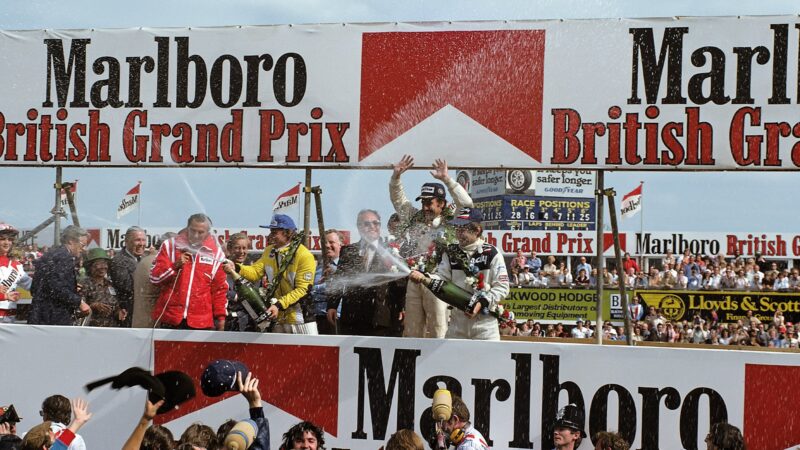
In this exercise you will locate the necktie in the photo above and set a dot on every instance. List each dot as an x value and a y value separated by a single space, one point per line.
368 257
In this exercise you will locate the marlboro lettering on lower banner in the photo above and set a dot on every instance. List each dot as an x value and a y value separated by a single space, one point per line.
129 202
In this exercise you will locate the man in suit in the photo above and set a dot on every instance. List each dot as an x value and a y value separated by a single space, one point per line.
55 290
366 307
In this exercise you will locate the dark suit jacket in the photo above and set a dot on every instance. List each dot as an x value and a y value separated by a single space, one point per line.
54 289
365 310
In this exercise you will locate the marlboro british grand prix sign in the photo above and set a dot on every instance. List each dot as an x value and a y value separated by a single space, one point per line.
687 94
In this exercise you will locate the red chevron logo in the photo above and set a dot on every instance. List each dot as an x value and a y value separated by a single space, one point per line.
302 380
770 402
494 77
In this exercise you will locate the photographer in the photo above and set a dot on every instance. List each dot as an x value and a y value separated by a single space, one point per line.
462 434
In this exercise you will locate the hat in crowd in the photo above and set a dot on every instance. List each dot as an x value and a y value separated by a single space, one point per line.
178 388
467 215
572 417
9 415
173 387
8 229
241 436
38 436
220 377
96 253
281 221
432 190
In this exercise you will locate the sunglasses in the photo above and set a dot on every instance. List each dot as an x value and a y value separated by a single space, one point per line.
368 223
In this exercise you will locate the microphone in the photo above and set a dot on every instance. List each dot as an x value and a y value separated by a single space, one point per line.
442 405
441 409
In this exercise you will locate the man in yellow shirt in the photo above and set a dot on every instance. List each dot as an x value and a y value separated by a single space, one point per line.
291 303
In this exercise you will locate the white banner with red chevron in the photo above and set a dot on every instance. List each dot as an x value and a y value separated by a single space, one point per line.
362 389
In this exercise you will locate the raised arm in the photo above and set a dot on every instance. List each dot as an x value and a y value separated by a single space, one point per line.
461 198
397 194
136 437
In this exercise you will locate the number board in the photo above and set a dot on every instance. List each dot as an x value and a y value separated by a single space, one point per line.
521 212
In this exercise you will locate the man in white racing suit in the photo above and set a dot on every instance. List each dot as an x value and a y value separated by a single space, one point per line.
473 265
425 233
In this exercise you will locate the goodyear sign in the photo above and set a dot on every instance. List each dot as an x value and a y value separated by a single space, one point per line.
562 305
730 306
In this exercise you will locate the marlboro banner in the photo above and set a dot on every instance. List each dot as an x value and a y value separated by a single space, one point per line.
656 94
129 202
361 390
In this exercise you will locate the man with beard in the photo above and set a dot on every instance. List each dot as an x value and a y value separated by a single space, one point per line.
124 265
55 281
474 266
366 310
428 234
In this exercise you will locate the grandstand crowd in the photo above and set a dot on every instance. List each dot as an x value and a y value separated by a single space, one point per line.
193 280
686 271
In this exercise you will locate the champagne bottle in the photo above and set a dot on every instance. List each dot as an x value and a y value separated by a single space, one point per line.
252 302
452 294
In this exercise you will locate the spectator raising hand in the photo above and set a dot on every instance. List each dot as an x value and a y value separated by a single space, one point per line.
249 389
134 442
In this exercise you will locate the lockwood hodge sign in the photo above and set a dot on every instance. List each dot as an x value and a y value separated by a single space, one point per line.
688 93
361 389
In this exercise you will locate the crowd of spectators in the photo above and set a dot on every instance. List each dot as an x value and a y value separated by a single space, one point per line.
686 271
61 419
654 327
680 272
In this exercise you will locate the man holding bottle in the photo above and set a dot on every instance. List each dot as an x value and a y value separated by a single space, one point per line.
290 264
477 267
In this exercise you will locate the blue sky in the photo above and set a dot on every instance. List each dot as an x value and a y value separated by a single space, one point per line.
243 197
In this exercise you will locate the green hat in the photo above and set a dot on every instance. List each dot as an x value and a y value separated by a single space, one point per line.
94 254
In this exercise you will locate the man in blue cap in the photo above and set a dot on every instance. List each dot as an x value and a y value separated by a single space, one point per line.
477 267
426 234
291 304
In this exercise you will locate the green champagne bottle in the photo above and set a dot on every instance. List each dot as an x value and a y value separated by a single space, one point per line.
448 292
252 302
453 295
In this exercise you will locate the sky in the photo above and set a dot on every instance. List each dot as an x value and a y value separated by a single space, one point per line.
685 201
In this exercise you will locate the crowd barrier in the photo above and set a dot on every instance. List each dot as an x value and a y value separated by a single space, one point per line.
362 389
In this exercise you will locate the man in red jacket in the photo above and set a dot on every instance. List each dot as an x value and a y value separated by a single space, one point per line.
193 285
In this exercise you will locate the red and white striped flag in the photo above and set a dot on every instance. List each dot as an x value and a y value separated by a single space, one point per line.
129 202
632 203
287 201
73 189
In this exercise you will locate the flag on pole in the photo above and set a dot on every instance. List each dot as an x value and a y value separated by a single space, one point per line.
632 203
129 202
73 189
287 201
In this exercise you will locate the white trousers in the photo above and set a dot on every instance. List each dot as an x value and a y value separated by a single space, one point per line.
426 315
